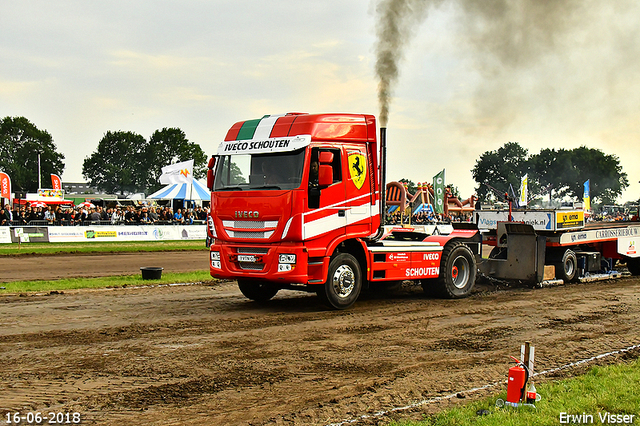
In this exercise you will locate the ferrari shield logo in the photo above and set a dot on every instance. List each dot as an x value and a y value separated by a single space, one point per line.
357 169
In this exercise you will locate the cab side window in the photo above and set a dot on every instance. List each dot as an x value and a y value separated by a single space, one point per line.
315 162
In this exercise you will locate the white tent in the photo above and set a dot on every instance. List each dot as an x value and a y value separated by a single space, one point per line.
183 191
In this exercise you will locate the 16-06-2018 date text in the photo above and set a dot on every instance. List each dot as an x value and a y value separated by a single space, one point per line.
38 418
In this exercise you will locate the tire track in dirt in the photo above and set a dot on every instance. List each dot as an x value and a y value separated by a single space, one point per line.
206 355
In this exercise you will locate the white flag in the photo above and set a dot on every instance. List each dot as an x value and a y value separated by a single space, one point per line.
523 191
177 173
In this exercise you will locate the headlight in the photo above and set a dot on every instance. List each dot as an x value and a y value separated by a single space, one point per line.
211 228
215 260
287 258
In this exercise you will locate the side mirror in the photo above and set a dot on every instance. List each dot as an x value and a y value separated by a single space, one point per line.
325 175
210 173
325 172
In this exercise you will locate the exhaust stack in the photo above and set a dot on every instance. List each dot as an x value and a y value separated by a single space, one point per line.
383 183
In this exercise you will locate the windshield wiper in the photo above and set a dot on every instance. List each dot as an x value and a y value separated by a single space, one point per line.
229 188
265 187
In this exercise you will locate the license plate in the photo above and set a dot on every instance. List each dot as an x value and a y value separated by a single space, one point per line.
246 258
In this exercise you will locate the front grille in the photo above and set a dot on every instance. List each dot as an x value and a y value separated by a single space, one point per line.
248 224
251 266
250 229
252 250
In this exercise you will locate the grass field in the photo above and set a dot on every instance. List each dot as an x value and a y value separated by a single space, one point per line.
103 282
99 247
605 395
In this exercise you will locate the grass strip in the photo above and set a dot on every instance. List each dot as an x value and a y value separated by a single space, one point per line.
604 395
103 282
99 247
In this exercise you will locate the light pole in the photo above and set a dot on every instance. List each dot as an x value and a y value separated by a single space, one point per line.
39 173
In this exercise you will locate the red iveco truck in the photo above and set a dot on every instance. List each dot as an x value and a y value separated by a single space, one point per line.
297 202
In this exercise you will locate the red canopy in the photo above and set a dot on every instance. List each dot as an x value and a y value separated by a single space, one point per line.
52 202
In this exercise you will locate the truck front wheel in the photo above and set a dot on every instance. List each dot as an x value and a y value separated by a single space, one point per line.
260 291
457 272
344 282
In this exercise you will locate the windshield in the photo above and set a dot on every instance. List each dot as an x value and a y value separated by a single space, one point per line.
282 170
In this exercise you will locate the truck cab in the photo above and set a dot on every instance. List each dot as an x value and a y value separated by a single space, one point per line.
287 191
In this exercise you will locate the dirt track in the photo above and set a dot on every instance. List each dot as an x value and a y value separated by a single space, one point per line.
206 355
45 267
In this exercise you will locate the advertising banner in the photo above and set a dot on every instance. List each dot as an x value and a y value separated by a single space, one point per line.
569 219
5 235
628 246
177 173
127 233
524 183
438 192
30 234
56 183
54 194
587 195
540 220
5 186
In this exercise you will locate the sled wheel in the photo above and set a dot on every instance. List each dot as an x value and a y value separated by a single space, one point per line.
457 271
344 282
633 265
260 291
567 268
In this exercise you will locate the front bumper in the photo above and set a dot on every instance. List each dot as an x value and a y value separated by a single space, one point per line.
283 263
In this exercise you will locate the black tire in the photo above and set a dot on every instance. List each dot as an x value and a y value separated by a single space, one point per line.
344 282
260 291
567 268
633 265
457 272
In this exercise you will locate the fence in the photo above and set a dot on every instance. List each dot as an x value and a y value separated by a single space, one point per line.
101 232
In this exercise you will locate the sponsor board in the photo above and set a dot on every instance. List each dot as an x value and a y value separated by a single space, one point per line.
5 235
127 233
569 219
30 234
595 235
628 246
540 220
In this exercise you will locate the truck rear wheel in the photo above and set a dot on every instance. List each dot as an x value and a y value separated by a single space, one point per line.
567 268
260 291
457 271
344 282
633 265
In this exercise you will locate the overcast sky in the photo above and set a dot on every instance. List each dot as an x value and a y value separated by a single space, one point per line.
474 74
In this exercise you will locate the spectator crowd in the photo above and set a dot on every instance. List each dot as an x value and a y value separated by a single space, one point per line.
425 218
53 215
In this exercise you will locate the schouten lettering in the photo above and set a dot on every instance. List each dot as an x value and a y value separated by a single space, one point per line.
271 143
418 272
247 214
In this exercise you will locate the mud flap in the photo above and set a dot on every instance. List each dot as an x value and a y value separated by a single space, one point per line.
525 253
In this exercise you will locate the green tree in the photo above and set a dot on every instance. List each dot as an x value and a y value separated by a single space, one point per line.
549 169
411 187
20 143
501 169
557 173
116 165
168 146
607 180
